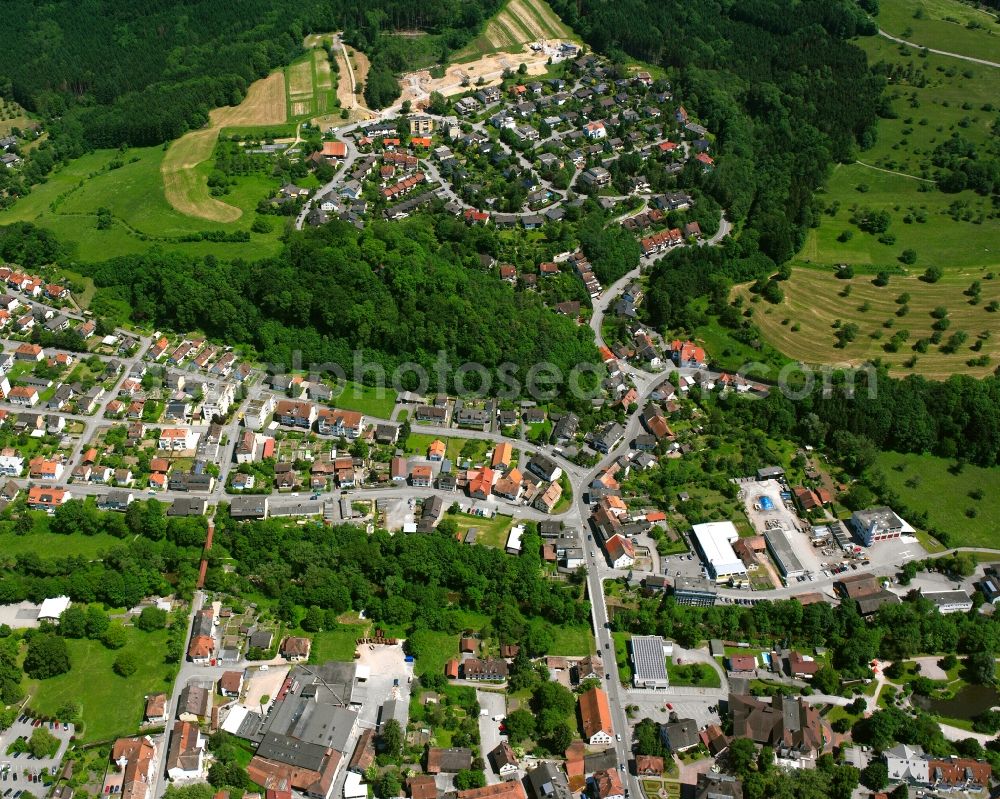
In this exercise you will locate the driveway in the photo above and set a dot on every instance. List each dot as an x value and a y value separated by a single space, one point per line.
495 705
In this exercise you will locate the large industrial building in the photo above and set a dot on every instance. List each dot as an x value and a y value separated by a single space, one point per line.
784 554
649 662
714 542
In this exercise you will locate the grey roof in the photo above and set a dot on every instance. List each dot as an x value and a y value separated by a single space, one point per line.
187 506
549 782
600 761
313 717
781 549
942 598
395 709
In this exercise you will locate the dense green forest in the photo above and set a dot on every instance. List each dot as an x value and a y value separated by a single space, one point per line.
108 72
959 418
156 547
398 291
422 582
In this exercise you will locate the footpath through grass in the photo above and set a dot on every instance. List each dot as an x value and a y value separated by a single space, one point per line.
947 25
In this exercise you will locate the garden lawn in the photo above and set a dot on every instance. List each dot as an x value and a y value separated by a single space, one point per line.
336 644
491 532
433 663
365 399
572 641
923 480
112 705
681 675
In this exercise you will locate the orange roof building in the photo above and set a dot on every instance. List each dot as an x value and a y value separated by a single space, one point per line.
436 450
511 789
595 714
502 455
334 149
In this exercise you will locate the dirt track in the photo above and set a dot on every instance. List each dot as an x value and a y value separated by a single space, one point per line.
418 85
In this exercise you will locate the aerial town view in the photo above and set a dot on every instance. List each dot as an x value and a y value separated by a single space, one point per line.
500 399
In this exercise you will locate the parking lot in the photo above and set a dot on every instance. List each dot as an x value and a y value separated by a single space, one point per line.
676 565
22 771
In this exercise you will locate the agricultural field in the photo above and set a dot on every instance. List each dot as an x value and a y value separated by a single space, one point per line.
310 86
934 99
184 173
971 515
806 329
130 186
517 24
111 705
947 25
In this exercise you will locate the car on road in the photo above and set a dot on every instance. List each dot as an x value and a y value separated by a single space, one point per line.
618 736
669 706
314 496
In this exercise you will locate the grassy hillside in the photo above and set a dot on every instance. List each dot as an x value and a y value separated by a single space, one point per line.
972 513
141 216
933 99
947 25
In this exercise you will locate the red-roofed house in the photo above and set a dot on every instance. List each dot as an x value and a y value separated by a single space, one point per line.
334 149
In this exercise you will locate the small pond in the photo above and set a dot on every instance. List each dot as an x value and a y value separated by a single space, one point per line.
966 704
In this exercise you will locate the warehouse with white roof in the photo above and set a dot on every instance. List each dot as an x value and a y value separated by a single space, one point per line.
714 542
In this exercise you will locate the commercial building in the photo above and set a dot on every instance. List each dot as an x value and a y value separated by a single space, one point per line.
877 524
649 665
714 542
698 591
307 731
949 601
